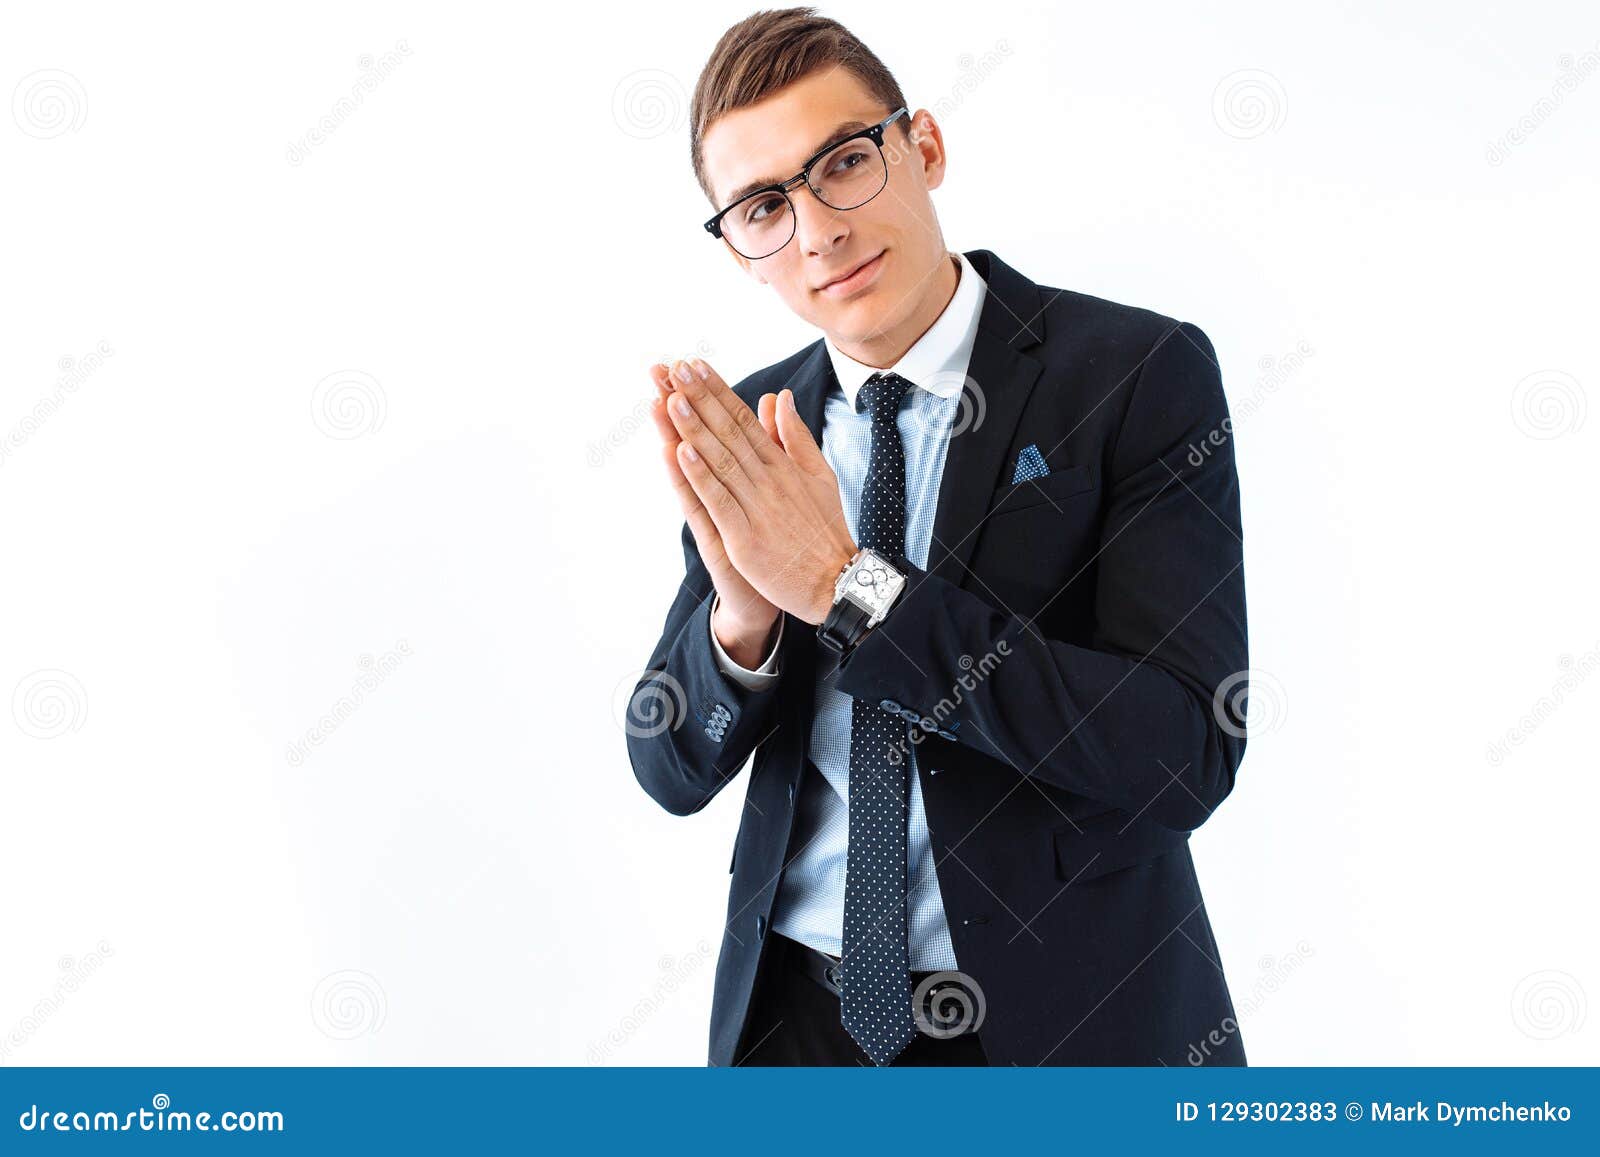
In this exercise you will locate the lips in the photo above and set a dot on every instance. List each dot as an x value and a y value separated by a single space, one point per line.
853 278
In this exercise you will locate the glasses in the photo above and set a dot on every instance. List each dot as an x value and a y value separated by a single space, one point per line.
845 175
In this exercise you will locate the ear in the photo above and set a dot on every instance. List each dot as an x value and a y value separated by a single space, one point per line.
927 143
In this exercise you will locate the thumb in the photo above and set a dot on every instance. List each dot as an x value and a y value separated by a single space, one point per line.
767 412
796 436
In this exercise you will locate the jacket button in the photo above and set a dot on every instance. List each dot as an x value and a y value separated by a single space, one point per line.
761 927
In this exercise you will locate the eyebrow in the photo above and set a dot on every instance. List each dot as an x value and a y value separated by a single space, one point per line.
840 131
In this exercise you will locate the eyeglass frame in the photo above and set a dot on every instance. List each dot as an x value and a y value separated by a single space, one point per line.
875 134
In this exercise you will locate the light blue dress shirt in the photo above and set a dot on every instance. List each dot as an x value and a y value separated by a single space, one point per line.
810 900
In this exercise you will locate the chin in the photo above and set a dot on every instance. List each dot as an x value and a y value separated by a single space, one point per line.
854 321
869 314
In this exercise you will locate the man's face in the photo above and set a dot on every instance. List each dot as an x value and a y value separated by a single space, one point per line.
892 245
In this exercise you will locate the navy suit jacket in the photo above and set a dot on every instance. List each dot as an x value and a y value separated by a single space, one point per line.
1080 640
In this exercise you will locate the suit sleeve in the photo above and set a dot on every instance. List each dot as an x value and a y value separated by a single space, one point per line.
1148 717
690 725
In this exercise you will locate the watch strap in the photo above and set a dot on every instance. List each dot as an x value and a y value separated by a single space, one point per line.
844 626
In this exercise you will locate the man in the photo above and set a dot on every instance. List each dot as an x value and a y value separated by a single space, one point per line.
978 760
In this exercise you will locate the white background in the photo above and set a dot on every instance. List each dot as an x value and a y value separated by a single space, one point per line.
201 554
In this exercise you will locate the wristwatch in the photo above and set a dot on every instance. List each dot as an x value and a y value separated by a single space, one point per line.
862 596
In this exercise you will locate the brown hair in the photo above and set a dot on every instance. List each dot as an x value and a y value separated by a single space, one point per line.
768 51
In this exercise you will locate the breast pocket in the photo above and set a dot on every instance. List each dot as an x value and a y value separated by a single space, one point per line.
1063 485
1103 844
1037 550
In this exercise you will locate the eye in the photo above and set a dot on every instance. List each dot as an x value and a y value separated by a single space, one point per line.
846 160
761 208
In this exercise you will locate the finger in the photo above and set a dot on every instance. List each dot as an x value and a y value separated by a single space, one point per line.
663 423
796 436
680 484
726 413
716 454
707 540
693 380
748 420
661 378
661 375
767 412
688 500
715 497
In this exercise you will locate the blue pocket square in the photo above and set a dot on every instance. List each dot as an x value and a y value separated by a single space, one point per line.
1030 464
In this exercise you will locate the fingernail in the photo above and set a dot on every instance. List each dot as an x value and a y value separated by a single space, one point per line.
788 400
688 452
683 373
681 406
702 369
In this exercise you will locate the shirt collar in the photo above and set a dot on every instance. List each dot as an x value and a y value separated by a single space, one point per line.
938 360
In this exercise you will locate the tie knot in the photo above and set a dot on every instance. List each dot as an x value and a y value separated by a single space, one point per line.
882 395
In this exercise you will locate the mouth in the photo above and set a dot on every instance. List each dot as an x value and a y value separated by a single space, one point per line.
856 279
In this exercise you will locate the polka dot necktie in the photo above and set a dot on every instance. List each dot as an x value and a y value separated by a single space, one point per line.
875 1006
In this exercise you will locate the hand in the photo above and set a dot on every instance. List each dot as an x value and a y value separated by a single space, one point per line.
744 619
767 488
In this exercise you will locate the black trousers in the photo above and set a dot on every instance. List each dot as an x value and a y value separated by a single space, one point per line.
794 1020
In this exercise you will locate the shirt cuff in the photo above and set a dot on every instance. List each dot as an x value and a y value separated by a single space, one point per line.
763 676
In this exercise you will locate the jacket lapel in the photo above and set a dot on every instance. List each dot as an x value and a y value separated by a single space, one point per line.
1000 378
999 381
812 383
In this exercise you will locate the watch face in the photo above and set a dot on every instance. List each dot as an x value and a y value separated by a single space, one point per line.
874 584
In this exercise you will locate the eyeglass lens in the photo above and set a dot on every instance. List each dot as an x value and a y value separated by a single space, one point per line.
844 178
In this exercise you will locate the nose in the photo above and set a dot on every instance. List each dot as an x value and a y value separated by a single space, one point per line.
819 229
